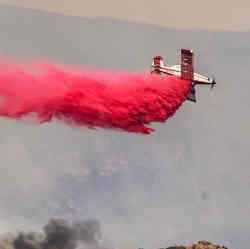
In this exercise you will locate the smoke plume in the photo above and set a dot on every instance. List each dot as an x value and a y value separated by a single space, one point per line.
58 234
85 97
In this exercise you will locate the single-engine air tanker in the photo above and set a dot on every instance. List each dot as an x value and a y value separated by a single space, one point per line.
184 71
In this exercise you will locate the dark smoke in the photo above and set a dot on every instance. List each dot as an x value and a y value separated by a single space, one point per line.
57 234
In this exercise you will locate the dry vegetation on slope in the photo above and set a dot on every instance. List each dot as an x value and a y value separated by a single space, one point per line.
199 245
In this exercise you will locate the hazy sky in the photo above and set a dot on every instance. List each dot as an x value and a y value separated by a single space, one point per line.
212 14
187 181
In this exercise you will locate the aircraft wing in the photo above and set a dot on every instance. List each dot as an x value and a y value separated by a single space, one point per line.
187 64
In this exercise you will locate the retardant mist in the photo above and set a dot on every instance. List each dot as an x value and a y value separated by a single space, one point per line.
88 97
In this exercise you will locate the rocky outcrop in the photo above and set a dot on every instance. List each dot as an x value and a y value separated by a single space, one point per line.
203 244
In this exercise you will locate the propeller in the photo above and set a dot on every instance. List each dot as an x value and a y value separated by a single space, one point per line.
213 84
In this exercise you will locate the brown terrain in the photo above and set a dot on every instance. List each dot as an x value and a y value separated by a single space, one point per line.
199 245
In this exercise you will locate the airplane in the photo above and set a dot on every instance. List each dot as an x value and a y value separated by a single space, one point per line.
184 71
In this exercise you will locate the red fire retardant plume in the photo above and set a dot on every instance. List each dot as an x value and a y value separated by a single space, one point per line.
86 97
